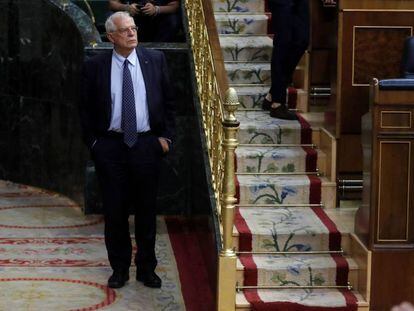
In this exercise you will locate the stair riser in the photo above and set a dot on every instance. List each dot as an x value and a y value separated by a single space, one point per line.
280 193
269 136
276 160
263 193
345 243
241 25
237 6
317 241
262 76
329 195
251 101
299 79
247 53
256 76
302 102
328 276
255 101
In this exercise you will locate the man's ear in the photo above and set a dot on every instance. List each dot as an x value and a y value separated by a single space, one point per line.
109 36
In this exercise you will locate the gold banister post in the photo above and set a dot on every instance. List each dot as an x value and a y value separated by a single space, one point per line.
226 289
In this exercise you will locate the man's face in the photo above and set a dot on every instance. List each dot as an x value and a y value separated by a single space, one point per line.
125 37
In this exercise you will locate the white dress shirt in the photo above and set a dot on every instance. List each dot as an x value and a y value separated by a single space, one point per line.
140 93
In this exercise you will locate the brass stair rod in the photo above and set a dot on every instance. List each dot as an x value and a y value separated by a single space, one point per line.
290 252
278 145
281 174
278 287
281 205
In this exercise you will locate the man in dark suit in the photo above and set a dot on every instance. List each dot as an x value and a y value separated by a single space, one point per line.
127 116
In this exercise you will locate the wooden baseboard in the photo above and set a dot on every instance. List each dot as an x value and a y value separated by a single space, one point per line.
362 256
327 143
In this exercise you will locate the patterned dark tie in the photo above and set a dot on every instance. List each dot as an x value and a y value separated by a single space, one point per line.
129 120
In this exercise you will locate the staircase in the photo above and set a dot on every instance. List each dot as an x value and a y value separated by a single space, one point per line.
291 255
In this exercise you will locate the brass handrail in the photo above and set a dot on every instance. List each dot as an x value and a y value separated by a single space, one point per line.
220 127
210 95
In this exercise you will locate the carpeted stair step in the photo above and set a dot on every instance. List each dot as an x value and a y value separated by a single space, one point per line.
248 73
286 229
245 6
256 127
300 300
301 270
285 189
254 73
241 23
276 159
251 96
246 48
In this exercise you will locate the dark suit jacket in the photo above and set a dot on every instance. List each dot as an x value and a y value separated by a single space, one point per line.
95 107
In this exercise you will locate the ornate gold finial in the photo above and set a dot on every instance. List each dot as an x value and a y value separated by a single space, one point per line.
231 103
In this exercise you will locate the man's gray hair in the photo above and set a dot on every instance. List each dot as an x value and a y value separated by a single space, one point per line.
109 24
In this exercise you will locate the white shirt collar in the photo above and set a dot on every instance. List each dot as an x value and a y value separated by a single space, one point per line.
119 59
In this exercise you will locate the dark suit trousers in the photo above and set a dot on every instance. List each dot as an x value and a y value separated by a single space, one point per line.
290 23
129 175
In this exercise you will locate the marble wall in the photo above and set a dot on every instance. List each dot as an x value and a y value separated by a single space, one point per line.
41 51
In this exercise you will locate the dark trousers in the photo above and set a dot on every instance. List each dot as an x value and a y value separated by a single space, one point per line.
290 25
129 175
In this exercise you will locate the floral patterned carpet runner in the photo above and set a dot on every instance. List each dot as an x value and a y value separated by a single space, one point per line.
246 46
300 229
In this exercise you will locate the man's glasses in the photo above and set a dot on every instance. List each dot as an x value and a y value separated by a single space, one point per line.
124 31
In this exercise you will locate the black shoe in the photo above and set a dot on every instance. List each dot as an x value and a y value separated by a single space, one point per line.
266 105
150 279
118 279
282 112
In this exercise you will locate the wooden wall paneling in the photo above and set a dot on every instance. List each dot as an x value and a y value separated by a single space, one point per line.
392 98
396 120
377 52
323 26
394 176
392 279
320 67
376 4
372 46
384 222
349 154
322 45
